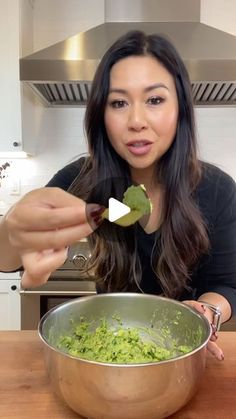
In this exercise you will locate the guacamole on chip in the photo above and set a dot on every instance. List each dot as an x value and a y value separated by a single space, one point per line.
135 197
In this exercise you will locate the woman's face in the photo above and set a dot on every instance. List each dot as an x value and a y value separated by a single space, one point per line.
142 110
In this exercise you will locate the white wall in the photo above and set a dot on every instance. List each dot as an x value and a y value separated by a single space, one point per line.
26 27
220 14
216 129
55 20
153 10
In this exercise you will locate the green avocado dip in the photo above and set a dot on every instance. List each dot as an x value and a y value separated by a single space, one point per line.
135 197
117 344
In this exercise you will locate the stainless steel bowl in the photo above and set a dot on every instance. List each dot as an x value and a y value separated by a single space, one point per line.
98 390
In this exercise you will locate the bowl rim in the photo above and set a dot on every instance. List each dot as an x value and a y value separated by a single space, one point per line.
128 295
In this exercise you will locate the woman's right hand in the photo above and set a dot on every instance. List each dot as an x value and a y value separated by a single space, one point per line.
42 225
212 347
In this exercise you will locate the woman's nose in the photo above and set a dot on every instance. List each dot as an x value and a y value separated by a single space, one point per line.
137 120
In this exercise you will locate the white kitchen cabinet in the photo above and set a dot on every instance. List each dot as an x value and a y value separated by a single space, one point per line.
10 313
10 104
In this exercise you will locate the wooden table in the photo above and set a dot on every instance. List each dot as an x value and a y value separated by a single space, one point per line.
25 390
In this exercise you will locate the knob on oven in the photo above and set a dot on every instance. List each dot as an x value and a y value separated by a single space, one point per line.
79 261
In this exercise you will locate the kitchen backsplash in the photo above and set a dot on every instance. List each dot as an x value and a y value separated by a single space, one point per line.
61 139
216 129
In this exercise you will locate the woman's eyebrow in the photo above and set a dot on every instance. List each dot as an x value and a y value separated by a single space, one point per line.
116 90
155 86
147 89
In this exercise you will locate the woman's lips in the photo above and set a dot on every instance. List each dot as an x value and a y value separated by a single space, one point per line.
140 147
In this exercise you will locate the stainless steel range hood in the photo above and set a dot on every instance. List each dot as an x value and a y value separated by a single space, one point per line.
62 74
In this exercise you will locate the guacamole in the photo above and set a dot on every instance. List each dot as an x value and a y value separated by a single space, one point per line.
135 197
106 343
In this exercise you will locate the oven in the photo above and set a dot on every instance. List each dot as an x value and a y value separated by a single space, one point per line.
64 284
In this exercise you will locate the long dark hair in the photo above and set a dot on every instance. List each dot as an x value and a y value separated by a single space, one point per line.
183 232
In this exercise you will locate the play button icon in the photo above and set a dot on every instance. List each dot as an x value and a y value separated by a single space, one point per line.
107 208
116 209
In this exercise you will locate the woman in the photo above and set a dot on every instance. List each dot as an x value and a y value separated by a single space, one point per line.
140 129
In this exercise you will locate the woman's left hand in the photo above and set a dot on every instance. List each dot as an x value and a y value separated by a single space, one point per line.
212 347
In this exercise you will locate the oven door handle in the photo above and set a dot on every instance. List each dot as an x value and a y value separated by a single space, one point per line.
51 292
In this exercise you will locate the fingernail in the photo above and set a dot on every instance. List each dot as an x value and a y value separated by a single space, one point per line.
97 219
97 211
214 337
